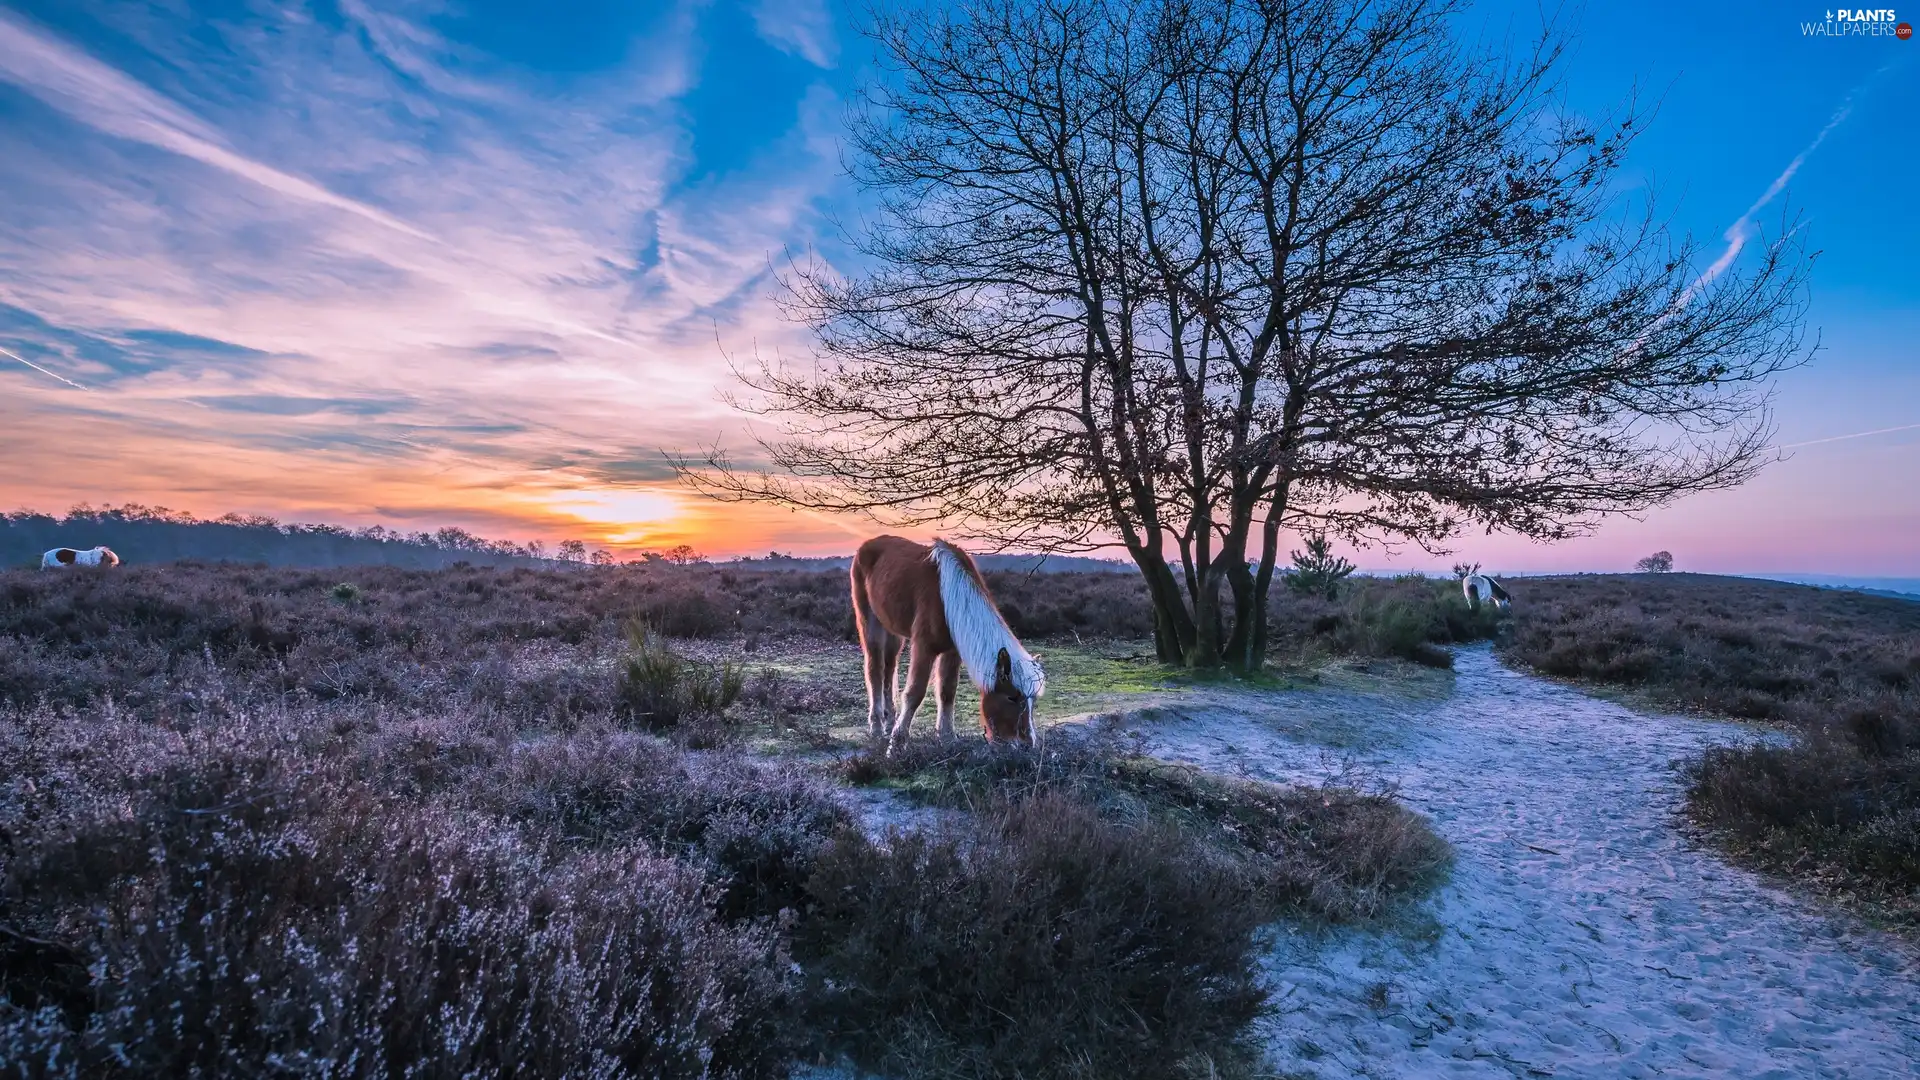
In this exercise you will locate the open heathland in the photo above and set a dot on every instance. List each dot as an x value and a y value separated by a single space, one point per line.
1837 806
491 822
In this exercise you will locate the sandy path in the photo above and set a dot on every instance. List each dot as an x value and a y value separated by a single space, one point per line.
1580 935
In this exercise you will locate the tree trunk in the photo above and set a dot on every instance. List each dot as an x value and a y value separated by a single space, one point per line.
1247 652
1204 650
1172 625
1243 653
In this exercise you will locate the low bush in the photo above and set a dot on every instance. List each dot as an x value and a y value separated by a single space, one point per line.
1756 650
662 690
1336 854
248 827
415 637
1038 941
1823 809
1410 618
688 604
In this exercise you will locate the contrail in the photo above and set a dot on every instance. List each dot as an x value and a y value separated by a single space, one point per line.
43 371
1741 230
1855 435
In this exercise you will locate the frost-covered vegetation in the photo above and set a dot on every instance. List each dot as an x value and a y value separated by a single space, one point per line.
492 822
1839 805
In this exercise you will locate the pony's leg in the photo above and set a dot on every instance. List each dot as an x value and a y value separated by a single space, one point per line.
890 672
947 679
919 670
879 650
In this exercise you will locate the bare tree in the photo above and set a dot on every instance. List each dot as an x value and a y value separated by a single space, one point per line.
1660 562
682 555
1184 273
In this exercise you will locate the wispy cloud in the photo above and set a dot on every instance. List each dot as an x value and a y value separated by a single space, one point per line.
97 95
373 246
801 27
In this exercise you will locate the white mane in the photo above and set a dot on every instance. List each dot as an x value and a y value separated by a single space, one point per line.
977 629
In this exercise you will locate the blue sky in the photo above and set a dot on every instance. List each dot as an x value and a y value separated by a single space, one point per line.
475 263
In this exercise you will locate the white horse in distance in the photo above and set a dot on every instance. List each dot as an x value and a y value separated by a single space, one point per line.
59 557
1480 587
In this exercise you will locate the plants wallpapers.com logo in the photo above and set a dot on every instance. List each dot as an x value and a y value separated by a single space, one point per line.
1859 22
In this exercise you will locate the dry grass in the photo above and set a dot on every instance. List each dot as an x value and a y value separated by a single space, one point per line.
1839 808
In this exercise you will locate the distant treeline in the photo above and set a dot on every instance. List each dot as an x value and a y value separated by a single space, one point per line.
148 534
1012 564
155 534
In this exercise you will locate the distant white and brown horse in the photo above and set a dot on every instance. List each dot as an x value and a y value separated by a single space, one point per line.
934 599
59 557
1481 588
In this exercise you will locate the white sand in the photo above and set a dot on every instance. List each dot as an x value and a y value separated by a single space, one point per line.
1581 935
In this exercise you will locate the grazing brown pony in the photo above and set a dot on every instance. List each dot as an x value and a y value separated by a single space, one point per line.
935 599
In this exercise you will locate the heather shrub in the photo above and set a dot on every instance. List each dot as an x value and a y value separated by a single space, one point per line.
249 827
774 690
1821 806
543 683
683 606
1076 606
1397 629
1761 650
1408 618
1339 854
412 637
241 914
755 828
1038 941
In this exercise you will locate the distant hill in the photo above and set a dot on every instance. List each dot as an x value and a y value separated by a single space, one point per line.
1905 588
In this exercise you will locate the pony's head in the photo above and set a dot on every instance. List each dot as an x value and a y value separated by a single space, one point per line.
108 558
1005 712
1501 601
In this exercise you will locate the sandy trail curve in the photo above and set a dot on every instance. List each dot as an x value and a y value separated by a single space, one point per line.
1581 935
